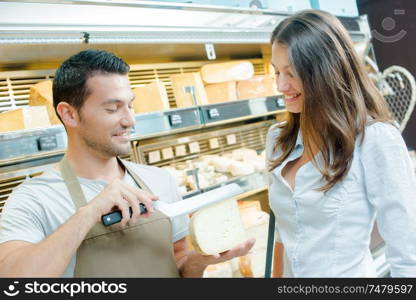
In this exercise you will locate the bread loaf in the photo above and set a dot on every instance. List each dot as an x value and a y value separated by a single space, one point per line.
217 228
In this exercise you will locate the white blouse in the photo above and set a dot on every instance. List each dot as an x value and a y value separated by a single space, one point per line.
328 234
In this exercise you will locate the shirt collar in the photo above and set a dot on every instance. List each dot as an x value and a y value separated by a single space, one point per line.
299 140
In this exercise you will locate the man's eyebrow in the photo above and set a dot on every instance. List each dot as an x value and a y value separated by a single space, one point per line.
111 101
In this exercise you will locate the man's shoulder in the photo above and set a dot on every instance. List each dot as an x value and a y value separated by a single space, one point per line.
46 179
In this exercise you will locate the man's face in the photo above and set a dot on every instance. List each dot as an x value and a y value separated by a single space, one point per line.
106 116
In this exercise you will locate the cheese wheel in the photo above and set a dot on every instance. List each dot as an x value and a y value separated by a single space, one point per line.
244 154
27 117
183 95
257 164
238 168
222 164
217 228
221 270
256 226
221 92
255 87
227 71
245 266
150 97
40 94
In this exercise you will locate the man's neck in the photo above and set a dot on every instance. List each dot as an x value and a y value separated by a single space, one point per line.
91 165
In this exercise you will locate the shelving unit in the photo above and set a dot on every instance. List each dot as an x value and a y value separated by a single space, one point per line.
157 40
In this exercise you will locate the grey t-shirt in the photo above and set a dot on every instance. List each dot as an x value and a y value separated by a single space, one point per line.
40 205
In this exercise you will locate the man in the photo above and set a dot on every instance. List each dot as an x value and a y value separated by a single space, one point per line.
50 225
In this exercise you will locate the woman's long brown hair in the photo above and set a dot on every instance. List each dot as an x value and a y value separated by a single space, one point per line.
338 94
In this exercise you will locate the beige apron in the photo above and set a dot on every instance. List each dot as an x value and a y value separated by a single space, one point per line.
144 249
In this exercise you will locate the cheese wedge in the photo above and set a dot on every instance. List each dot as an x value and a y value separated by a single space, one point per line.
221 270
227 71
41 94
150 97
183 95
258 86
221 92
217 228
27 117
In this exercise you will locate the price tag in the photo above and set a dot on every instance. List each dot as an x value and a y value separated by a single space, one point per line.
175 120
180 150
231 139
47 142
213 113
154 156
167 153
194 147
213 143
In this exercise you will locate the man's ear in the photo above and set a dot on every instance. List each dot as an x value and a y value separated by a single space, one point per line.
68 114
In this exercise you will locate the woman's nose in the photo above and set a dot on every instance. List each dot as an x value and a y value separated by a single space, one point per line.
282 84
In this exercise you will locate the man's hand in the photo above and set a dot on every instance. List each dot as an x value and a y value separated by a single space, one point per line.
118 195
196 262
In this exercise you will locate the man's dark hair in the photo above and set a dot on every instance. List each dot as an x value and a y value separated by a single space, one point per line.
70 80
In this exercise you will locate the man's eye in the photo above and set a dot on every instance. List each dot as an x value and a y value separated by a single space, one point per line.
111 110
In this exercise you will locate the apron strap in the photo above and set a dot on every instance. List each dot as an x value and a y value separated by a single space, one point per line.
78 197
72 183
136 178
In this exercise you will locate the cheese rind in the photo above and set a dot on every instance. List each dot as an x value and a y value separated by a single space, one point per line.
227 71
217 228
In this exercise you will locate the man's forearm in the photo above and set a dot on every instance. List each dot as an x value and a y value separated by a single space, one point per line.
50 257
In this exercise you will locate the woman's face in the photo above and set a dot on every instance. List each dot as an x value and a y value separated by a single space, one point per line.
287 82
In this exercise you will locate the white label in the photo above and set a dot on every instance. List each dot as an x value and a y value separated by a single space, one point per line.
194 147
154 156
167 153
213 143
180 150
231 139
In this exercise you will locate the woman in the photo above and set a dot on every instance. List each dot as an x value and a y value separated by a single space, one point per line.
337 163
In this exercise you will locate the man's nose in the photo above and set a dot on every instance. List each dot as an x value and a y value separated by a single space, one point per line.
128 118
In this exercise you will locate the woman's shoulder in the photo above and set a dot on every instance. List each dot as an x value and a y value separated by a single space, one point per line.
381 131
272 134
379 136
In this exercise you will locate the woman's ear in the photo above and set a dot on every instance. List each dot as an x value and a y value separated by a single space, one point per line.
68 114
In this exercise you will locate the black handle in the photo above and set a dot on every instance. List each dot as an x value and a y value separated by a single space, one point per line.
115 216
